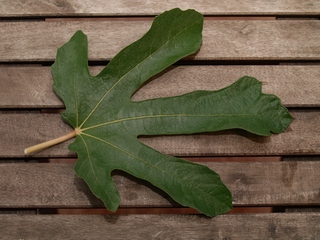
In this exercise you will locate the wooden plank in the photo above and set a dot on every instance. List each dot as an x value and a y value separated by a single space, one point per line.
222 40
31 87
143 7
27 87
19 131
252 184
293 226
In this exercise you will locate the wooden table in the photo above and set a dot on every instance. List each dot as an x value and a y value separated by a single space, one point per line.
276 185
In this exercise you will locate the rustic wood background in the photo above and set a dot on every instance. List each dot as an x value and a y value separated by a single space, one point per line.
275 180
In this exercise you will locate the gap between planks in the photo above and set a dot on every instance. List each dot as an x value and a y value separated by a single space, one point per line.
164 210
191 159
129 18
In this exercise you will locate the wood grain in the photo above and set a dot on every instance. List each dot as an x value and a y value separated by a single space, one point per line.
222 40
143 7
19 131
293 226
46 185
31 87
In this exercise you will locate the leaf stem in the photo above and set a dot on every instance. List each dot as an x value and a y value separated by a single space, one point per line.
50 143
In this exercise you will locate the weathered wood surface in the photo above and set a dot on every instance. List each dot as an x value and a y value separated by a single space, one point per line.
9 8
293 226
259 183
46 185
222 40
31 86
19 131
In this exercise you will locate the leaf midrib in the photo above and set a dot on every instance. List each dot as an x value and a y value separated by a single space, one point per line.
120 79
92 168
162 116
153 166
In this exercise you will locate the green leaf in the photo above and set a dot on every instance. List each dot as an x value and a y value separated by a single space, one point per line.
108 122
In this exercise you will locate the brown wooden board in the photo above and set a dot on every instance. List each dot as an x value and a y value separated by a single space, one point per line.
293 226
290 183
19 131
31 86
222 40
144 7
46 185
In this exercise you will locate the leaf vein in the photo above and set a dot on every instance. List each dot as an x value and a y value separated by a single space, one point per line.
133 68
162 116
147 163
91 166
